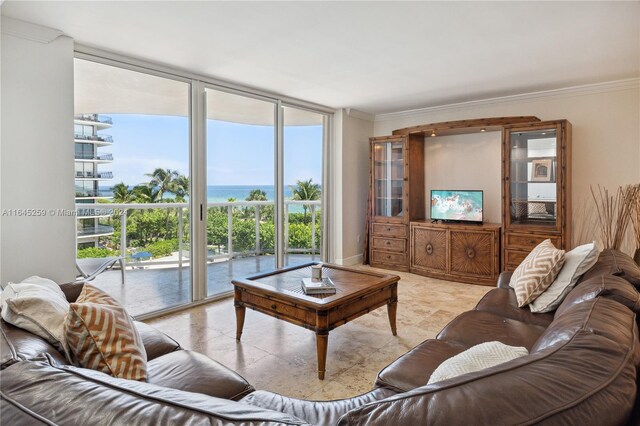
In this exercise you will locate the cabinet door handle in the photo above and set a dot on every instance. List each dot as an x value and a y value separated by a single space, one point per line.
388 229
429 248
388 243
273 306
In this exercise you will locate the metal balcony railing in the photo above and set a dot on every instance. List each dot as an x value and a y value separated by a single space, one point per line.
98 138
87 231
98 118
100 157
102 212
91 175
123 210
91 193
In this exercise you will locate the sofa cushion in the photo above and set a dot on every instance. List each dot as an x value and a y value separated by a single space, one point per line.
476 358
39 306
608 286
155 342
314 412
503 302
96 398
576 263
414 368
18 345
536 272
195 372
103 338
615 262
474 327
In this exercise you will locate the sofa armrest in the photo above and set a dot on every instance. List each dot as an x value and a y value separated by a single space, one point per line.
156 343
503 279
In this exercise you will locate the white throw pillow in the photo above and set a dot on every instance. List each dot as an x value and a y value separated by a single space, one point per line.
576 262
37 306
476 358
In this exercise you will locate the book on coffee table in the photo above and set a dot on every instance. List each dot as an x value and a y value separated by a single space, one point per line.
324 286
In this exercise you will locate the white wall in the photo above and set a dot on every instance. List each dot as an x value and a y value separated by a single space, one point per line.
36 156
606 133
350 164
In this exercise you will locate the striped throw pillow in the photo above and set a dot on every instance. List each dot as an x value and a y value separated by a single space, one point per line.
536 272
91 294
103 337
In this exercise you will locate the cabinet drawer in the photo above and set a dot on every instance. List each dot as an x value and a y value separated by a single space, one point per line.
390 244
529 241
513 258
389 230
387 257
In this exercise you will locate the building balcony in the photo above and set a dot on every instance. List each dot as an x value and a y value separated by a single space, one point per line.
94 231
99 140
94 176
98 120
100 158
92 193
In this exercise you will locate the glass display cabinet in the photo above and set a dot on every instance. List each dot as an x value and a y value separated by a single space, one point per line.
536 174
388 178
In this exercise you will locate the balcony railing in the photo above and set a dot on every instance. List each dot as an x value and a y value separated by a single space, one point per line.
101 212
100 157
223 248
87 231
92 175
91 193
97 138
97 118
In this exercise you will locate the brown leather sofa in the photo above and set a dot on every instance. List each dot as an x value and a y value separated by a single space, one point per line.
582 369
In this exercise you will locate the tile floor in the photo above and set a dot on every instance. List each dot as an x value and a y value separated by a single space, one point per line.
281 357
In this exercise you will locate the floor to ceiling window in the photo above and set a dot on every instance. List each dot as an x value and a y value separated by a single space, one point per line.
132 182
257 188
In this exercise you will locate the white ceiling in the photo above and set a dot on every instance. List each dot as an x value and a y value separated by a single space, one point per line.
373 56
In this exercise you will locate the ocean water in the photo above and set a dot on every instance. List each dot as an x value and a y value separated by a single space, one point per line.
217 193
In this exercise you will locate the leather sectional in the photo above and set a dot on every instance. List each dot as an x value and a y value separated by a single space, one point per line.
581 369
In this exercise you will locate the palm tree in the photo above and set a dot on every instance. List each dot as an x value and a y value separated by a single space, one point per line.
306 190
122 194
145 193
162 180
180 187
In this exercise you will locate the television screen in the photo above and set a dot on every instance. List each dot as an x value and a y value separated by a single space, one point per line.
456 205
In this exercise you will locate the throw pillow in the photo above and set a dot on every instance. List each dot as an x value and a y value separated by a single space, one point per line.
104 338
38 306
476 358
536 272
576 262
91 294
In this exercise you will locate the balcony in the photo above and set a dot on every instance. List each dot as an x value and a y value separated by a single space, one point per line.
94 231
92 193
101 158
100 140
240 242
94 176
103 121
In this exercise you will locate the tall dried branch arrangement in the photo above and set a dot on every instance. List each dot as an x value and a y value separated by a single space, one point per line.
614 213
635 217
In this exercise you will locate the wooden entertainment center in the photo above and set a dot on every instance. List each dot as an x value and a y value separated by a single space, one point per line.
536 201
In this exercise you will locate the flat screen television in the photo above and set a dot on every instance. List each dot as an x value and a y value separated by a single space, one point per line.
456 206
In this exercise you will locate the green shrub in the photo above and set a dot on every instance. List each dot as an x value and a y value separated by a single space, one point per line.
94 252
162 248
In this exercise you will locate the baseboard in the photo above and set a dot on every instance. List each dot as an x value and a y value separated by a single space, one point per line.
349 261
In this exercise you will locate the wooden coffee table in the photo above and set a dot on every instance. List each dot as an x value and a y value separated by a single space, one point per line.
279 294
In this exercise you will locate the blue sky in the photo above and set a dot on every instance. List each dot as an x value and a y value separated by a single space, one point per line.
237 154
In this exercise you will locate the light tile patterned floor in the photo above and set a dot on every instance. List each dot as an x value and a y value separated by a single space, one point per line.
281 357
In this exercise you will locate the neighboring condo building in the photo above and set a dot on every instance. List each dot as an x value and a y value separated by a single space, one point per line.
88 176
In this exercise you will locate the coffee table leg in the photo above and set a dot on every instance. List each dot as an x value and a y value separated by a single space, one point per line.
321 347
392 308
240 311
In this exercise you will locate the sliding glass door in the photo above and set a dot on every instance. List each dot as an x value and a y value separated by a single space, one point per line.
240 188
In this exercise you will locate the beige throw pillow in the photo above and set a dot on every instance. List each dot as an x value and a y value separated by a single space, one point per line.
476 358
536 272
38 306
103 337
576 262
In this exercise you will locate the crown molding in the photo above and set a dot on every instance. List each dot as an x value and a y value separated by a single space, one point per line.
360 114
608 86
29 31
